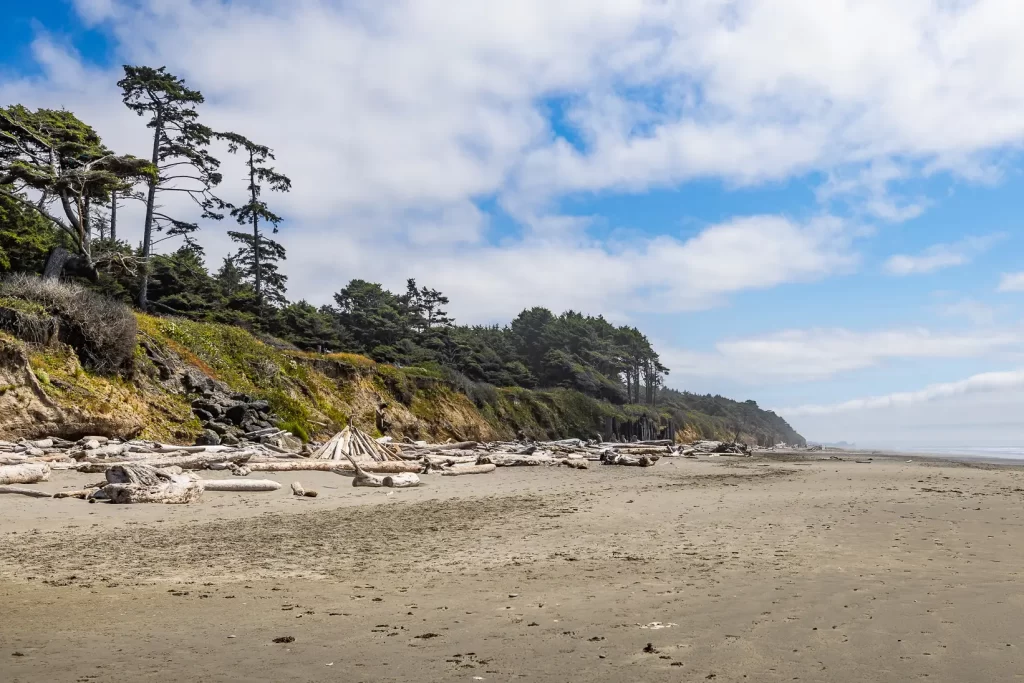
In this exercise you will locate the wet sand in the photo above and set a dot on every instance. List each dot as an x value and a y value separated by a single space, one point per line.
730 569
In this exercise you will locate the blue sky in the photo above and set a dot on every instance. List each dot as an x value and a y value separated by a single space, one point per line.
796 214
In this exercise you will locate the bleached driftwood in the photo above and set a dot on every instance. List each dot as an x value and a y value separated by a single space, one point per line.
241 485
401 481
27 473
468 469
81 493
391 467
628 460
575 463
189 462
511 460
34 493
301 491
143 483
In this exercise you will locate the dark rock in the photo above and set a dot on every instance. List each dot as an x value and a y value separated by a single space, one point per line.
264 424
230 439
218 427
260 406
207 406
240 397
203 415
248 427
236 413
208 438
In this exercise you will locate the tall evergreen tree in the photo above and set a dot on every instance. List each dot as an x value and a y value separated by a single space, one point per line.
180 152
63 161
259 254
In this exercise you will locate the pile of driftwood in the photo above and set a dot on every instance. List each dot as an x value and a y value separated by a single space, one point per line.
456 458
146 471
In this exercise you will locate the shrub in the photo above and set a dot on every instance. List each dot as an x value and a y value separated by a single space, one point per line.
100 330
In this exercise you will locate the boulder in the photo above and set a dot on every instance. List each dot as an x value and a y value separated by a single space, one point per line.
260 406
236 414
208 437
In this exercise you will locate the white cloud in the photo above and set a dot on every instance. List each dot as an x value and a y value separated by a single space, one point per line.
563 271
396 118
992 382
817 354
978 312
1012 282
940 256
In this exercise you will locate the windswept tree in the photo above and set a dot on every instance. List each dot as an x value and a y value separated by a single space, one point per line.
259 255
50 157
180 153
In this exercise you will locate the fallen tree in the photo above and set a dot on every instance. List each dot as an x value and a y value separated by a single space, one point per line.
27 473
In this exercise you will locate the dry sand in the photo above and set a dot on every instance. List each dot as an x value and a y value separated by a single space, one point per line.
731 569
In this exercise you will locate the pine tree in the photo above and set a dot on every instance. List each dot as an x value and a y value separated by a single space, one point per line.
63 161
259 255
179 152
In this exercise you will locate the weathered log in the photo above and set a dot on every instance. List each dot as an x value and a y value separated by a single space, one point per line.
81 493
34 493
368 480
241 485
299 490
575 463
401 481
27 473
502 460
468 469
390 467
628 460
460 446
132 484
135 473
189 462
177 492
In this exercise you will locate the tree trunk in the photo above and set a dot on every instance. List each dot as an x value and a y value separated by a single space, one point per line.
393 467
147 226
113 216
257 270
29 473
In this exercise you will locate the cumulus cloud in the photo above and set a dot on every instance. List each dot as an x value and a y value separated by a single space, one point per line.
1012 282
939 256
808 355
991 382
398 120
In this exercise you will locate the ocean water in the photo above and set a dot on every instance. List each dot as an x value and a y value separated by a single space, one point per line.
1001 452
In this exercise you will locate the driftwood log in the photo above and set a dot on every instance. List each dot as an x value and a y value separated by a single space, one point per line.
401 481
143 483
299 490
189 462
18 490
628 460
81 493
391 467
240 485
512 460
468 469
27 473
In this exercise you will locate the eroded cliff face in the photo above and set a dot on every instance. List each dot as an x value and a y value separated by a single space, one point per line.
45 391
27 409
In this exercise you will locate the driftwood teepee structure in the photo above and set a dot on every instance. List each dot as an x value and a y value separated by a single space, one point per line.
357 446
